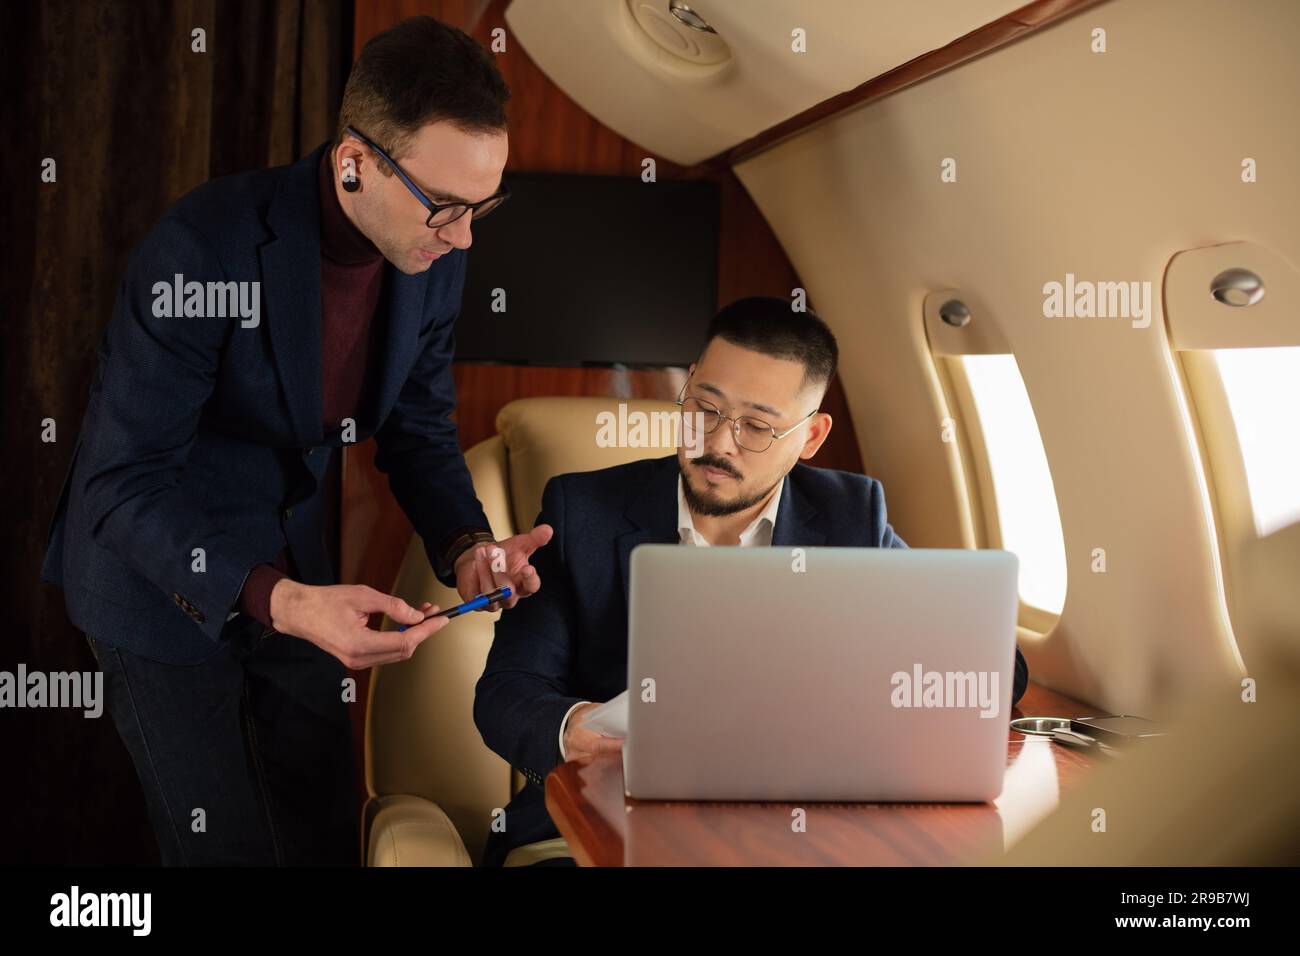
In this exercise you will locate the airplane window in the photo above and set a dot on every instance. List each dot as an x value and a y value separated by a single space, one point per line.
1028 519
1263 391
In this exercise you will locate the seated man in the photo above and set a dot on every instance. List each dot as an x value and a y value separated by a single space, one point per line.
763 371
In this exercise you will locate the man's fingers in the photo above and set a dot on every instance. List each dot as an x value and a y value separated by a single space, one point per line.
387 647
467 583
490 578
401 612
378 660
470 582
483 564
540 536
522 586
485 573
369 600
376 647
500 579
419 632
366 661
519 562
529 582
595 746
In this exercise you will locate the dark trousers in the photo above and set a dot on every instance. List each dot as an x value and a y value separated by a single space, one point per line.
245 758
527 821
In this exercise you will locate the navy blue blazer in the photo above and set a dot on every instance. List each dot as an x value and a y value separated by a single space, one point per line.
201 433
552 650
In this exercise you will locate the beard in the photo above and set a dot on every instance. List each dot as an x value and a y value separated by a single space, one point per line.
711 506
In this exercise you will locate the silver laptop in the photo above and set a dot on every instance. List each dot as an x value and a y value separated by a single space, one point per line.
819 674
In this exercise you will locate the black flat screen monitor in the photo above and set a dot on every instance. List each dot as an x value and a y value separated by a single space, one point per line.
593 270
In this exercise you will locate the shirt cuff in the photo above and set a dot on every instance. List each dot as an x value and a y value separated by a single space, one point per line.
255 597
564 723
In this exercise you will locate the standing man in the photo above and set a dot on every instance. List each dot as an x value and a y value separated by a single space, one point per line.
267 320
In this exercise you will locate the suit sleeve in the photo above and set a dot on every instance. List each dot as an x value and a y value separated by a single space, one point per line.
523 696
1021 680
886 536
156 374
419 445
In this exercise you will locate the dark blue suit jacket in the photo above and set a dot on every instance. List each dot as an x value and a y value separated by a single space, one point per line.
201 433
553 650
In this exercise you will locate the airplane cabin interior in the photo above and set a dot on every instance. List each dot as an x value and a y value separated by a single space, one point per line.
1052 248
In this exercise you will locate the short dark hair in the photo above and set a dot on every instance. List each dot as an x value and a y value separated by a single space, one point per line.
418 72
773 327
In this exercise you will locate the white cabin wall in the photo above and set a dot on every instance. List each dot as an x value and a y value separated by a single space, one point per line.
1103 165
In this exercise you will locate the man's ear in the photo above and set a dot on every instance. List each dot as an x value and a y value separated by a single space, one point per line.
348 156
819 426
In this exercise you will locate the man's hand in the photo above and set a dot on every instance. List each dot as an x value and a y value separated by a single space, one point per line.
581 742
334 619
486 567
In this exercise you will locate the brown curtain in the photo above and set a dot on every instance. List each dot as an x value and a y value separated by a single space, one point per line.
114 92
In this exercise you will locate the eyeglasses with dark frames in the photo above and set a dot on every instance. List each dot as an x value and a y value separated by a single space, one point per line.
752 434
440 214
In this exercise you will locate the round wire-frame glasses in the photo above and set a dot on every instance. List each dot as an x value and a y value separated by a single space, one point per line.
752 434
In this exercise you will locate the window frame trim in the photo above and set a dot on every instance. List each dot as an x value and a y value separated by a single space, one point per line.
985 525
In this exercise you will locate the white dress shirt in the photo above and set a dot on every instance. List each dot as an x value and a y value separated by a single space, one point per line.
757 534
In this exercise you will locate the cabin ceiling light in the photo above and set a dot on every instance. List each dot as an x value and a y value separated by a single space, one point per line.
955 313
1237 287
677 28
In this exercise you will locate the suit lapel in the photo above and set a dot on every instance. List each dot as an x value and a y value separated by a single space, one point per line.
404 296
653 515
291 291
797 523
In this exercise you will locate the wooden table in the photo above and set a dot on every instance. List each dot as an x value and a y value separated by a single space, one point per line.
603 827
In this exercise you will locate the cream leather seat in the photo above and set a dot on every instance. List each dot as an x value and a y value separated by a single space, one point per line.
432 782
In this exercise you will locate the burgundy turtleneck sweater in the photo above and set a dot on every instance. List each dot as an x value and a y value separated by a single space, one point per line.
351 278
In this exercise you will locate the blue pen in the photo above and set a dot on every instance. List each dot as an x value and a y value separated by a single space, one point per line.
474 604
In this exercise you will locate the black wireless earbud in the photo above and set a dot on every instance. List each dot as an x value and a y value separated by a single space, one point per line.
351 183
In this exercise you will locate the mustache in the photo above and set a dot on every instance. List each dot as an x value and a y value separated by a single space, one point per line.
707 461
